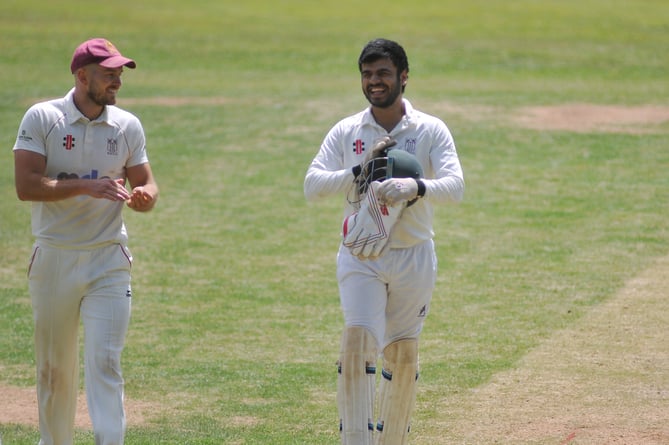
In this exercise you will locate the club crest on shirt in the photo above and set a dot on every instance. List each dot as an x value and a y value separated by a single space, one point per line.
410 146
112 147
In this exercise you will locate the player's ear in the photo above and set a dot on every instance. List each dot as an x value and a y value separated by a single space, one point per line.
81 75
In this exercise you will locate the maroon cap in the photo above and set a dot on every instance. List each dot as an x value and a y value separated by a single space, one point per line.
100 51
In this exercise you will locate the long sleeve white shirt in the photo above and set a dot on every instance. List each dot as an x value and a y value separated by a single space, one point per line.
423 135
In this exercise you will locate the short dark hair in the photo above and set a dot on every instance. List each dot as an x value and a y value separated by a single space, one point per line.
384 49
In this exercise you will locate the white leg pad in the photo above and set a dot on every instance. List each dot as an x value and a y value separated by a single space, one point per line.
356 386
397 392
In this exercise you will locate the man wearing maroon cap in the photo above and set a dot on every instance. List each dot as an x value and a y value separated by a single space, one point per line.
99 51
72 159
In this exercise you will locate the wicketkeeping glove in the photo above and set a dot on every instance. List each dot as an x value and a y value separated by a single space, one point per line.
397 190
379 149
366 232
364 173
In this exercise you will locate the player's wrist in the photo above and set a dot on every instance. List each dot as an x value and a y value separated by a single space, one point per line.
421 188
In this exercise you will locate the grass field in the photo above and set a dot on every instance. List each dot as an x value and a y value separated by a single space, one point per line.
236 319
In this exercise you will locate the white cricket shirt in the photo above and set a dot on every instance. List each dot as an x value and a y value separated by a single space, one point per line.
76 147
425 136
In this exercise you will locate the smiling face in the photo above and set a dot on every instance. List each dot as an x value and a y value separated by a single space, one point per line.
103 84
382 85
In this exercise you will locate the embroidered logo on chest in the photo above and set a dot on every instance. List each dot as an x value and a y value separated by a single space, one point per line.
410 146
358 146
112 147
68 142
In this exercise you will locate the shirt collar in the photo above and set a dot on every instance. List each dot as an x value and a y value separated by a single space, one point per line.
74 115
407 119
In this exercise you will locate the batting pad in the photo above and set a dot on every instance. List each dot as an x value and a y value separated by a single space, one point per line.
356 386
397 393
367 231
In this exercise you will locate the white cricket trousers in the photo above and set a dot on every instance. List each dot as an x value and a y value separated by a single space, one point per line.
66 286
390 296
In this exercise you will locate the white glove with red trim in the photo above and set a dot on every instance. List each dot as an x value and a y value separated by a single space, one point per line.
396 190
366 232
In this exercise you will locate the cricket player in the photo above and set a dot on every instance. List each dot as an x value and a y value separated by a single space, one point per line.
386 264
74 158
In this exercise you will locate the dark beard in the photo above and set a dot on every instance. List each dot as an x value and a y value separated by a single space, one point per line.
99 98
392 97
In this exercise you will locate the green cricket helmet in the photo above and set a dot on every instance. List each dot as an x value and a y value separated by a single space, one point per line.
395 163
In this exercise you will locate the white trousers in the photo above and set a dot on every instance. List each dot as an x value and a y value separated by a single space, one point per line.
389 296
66 286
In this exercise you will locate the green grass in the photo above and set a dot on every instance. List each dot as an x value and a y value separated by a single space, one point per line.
236 319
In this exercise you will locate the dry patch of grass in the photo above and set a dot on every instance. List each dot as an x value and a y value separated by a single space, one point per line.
593 118
575 117
19 406
603 381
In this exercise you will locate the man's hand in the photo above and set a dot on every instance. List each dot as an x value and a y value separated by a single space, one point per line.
113 190
144 188
141 200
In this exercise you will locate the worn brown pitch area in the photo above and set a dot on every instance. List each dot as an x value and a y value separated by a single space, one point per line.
603 381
